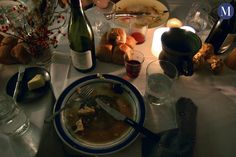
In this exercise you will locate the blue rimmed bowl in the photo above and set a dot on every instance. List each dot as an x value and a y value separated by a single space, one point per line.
79 146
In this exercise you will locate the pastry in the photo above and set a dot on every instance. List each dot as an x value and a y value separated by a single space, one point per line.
206 51
21 54
230 61
113 45
104 39
5 47
1 37
206 56
9 41
63 3
116 36
104 52
215 63
130 41
118 54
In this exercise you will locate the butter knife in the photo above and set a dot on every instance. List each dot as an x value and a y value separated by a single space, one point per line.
21 72
119 116
118 14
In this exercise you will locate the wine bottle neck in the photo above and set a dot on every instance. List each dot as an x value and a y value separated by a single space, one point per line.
76 4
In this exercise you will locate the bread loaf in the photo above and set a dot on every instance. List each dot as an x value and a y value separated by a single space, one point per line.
116 36
63 3
206 56
21 54
113 45
1 37
230 60
104 52
118 54
5 47
12 52
130 41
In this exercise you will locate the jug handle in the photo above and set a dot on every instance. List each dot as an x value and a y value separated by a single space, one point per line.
187 67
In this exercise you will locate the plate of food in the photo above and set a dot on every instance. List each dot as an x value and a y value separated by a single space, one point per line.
35 83
85 127
158 13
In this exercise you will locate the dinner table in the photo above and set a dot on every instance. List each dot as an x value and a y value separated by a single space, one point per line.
214 96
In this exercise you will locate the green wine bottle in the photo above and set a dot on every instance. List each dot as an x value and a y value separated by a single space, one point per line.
81 39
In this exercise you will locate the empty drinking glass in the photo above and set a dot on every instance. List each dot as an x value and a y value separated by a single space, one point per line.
13 120
198 17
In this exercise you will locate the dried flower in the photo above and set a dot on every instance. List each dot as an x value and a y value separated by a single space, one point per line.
38 28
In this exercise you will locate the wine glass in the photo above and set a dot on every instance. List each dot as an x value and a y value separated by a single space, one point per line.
198 17
100 22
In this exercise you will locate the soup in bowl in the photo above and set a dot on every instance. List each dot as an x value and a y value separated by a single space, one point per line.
86 128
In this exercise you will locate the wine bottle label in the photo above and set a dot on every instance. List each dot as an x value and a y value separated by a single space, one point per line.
82 60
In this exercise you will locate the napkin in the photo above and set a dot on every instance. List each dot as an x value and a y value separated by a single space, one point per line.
175 142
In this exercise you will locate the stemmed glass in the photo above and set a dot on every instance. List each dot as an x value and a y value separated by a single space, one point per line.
100 22
198 17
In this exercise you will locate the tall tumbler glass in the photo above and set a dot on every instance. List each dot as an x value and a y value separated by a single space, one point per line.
160 76
159 99
13 120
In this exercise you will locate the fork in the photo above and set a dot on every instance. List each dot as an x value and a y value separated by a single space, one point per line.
84 94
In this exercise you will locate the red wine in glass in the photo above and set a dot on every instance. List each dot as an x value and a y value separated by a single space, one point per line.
133 68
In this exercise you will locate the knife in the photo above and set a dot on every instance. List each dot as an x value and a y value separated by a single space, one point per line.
18 82
119 116
118 14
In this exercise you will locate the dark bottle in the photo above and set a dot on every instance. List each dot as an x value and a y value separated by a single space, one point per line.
222 32
81 39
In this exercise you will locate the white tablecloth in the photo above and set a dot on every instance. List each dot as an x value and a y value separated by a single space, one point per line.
214 95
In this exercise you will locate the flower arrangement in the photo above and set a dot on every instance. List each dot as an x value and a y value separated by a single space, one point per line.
36 25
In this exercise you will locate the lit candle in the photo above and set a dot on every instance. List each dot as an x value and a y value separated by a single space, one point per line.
188 28
156 42
173 23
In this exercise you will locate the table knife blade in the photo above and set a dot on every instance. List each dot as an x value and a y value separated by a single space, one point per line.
21 72
119 116
118 14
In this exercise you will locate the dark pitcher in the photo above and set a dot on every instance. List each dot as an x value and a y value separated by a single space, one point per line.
179 46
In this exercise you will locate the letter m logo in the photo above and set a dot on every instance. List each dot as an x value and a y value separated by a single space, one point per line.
225 11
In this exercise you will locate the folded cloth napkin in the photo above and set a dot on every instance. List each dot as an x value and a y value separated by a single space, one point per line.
176 142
